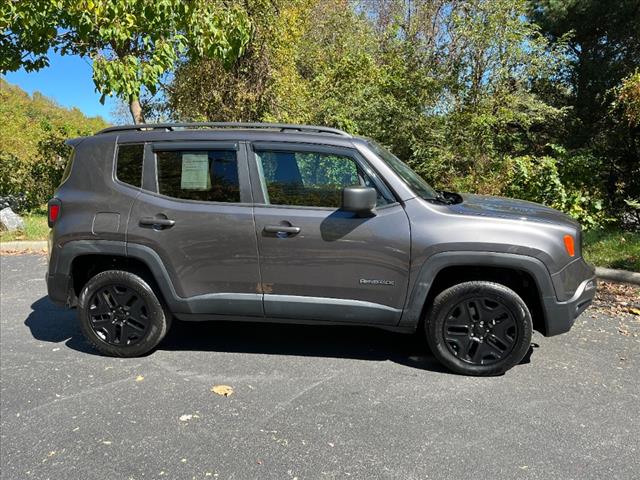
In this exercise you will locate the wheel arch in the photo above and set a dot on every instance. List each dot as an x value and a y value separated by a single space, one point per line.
527 276
80 260
86 266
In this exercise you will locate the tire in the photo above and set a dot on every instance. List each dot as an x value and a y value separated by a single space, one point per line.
478 328
120 315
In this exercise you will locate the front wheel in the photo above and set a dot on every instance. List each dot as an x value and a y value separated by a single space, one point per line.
479 328
120 315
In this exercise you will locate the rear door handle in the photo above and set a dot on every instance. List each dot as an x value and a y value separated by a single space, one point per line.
157 222
281 229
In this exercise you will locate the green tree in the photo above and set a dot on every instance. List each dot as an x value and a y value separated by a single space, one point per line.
132 43
605 46
32 150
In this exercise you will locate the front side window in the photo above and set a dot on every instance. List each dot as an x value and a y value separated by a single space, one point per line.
129 164
210 176
312 179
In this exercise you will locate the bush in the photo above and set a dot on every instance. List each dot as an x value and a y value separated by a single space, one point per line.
32 150
539 179
17 203
30 184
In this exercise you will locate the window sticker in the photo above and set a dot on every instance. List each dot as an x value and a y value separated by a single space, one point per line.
195 171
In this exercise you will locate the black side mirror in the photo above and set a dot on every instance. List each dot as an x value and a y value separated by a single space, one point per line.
361 200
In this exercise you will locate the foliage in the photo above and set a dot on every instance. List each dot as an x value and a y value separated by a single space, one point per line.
132 43
35 228
532 98
601 88
628 99
612 249
32 150
452 88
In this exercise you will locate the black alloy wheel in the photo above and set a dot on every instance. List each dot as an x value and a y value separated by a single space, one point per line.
119 315
480 331
478 328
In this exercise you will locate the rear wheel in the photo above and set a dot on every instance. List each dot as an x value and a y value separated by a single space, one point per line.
479 328
120 315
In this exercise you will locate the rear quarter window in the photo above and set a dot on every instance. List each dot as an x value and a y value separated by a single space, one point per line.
67 169
129 164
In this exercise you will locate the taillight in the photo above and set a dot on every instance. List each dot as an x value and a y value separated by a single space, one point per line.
53 211
569 245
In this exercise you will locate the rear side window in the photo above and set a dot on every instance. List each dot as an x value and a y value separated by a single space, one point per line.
129 164
209 176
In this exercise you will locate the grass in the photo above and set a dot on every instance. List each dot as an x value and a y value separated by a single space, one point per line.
36 228
604 248
612 249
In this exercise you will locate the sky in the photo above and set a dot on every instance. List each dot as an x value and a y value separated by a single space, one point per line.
68 81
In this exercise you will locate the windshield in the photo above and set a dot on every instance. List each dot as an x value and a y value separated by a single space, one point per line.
411 178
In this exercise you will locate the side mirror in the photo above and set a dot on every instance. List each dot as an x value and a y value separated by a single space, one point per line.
361 200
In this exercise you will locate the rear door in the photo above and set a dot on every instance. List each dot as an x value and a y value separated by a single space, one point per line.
195 213
338 266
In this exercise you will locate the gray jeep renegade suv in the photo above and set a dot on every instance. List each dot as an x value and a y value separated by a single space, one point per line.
301 224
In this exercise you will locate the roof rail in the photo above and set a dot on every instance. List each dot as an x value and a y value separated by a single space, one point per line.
213 125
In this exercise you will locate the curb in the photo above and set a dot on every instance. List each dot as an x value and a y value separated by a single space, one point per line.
623 276
23 246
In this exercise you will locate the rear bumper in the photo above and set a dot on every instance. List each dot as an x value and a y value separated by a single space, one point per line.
560 316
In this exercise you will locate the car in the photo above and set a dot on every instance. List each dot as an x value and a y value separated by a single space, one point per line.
301 224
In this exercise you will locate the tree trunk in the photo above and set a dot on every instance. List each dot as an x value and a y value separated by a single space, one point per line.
136 110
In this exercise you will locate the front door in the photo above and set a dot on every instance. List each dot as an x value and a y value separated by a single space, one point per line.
318 262
194 212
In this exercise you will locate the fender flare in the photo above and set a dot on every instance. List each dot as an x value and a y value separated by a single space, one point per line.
415 301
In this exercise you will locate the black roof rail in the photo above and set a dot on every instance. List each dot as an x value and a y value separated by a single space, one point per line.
213 125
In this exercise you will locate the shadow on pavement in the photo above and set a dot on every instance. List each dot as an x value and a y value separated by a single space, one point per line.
50 323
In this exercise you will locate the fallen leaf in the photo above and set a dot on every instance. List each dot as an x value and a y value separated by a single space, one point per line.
107 442
187 417
635 311
139 378
224 390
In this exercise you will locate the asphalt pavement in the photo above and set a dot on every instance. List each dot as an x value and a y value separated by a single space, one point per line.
308 402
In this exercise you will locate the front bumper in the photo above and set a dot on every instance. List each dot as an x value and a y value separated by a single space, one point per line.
560 316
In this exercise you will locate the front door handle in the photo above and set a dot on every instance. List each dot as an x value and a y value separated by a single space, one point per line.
157 222
281 229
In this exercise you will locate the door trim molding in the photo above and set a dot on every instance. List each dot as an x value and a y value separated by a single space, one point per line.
330 309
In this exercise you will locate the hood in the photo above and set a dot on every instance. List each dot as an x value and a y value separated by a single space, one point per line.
510 208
